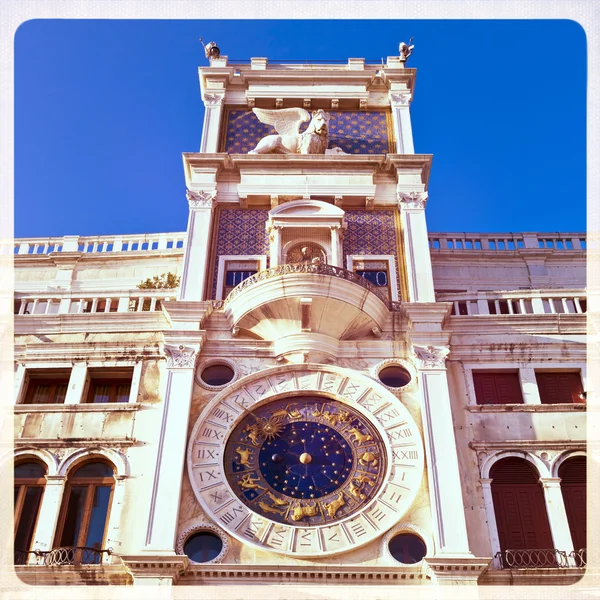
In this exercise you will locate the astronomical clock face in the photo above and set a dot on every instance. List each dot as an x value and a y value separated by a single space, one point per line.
305 462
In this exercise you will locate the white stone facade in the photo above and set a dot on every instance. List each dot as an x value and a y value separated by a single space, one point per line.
453 305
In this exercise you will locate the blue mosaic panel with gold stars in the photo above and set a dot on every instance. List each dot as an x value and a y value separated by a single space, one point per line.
371 232
355 132
240 232
305 460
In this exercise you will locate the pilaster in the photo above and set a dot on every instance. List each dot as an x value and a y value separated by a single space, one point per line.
181 349
43 537
193 279
416 246
155 570
213 113
557 515
76 384
400 103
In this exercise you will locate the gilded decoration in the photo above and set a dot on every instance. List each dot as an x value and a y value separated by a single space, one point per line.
355 132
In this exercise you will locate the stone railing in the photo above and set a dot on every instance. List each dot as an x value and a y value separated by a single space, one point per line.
506 241
532 559
61 556
102 244
309 269
519 302
119 302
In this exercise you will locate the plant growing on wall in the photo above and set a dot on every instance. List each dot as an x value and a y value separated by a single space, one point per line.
165 281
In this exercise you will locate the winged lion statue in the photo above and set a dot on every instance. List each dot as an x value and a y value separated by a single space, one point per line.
288 139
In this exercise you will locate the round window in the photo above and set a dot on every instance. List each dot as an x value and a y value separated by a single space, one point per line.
394 376
217 375
202 547
407 548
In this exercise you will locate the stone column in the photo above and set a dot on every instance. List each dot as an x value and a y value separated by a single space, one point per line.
400 104
447 506
416 246
181 354
336 245
211 129
43 536
488 501
76 384
195 261
275 250
557 515
529 386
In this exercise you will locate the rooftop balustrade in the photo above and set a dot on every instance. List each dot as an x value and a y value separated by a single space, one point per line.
507 241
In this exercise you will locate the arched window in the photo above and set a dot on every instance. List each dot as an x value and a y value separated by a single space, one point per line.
84 511
520 511
29 487
573 486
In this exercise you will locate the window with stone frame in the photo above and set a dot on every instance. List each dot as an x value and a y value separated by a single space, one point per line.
30 480
497 387
235 269
108 385
560 387
378 271
46 386
85 509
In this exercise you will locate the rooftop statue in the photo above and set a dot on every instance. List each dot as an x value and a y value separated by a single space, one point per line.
288 139
406 50
211 50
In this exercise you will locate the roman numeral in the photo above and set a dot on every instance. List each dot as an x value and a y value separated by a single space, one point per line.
278 537
405 454
212 433
206 453
328 382
334 538
216 497
222 414
351 389
358 529
251 530
388 415
209 475
306 539
231 515
395 497
240 400
377 514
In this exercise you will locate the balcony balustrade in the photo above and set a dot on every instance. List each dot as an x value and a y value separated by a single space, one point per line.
62 556
117 302
102 244
549 558
506 241
520 302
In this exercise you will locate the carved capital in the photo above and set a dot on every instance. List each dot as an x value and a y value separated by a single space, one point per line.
412 199
251 102
306 103
338 201
362 104
335 103
400 99
431 357
181 357
369 202
278 102
274 200
213 99
200 199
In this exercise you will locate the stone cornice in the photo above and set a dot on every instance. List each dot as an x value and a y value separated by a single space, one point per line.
118 351
83 442
482 445
68 408
537 408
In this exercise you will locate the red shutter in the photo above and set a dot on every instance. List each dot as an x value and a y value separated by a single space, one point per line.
497 388
519 506
559 388
573 486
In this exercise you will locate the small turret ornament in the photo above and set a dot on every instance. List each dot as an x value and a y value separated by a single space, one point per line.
211 50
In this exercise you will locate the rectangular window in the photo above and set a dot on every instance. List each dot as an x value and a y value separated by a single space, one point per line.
234 278
109 385
378 270
497 388
235 269
47 386
560 388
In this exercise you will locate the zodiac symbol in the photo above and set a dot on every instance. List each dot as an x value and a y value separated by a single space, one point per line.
277 501
270 509
294 413
364 479
360 437
356 491
368 457
271 428
334 505
252 434
299 512
333 418
282 412
249 482
245 455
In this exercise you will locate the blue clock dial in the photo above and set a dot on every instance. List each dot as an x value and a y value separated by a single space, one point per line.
305 461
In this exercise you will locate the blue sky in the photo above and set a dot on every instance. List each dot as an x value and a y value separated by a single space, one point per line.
104 109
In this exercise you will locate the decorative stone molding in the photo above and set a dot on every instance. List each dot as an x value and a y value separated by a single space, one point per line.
278 102
338 201
274 201
408 528
182 538
213 99
156 567
181 357
201 199
76 456
431 357
400 99
50 459
251 102
306 103
369 202
215 361
335 103
391 362
412 199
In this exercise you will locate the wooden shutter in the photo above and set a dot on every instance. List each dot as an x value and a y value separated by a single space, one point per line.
519 506
559 388
497 388
573 485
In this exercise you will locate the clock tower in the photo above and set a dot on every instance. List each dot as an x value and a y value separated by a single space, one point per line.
320 429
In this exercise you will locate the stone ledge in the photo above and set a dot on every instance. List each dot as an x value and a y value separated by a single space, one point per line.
43 408
538 408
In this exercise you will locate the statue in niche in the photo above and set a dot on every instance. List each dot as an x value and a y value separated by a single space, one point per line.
288 139
307 252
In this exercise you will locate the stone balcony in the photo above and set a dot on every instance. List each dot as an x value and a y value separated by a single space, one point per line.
307 308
